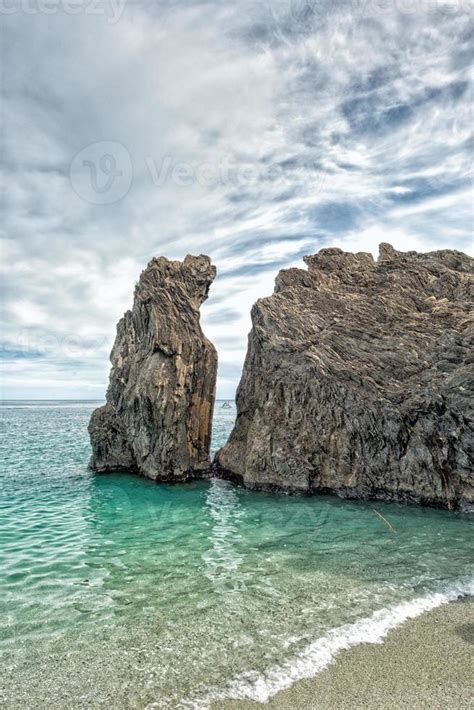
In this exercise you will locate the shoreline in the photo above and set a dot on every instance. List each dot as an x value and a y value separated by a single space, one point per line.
423 663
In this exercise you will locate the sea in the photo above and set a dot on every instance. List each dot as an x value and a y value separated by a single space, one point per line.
119 592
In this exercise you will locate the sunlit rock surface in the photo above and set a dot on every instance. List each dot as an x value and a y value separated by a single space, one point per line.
160 400
359 380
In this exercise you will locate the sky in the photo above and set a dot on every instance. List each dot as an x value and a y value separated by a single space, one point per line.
254 132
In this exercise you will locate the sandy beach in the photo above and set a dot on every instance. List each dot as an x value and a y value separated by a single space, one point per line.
425 663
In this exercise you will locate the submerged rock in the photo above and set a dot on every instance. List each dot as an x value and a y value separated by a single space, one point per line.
359 380
160 400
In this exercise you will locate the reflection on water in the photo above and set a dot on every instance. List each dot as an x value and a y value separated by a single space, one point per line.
223 559
119 592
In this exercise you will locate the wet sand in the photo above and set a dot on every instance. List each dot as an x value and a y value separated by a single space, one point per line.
427 662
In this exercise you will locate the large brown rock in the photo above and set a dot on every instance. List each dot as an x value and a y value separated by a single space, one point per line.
359 380
160 400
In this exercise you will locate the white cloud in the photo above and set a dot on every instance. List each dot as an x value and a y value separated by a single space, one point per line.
346 126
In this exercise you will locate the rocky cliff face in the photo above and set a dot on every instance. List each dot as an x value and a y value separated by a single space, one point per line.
359 380
160 400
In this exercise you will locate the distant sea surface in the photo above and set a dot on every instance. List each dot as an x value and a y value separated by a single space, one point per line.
117 592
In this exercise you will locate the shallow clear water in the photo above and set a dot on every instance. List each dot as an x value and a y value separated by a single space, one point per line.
119 592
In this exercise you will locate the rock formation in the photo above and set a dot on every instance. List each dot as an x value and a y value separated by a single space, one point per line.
358 380
158 416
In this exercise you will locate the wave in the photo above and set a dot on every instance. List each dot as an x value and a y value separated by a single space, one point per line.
318 655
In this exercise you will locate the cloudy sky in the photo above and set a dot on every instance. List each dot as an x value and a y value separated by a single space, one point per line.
255 132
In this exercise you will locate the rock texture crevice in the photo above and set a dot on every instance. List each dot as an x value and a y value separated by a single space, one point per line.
158 416
358 380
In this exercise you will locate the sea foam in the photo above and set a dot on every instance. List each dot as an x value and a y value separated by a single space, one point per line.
318 655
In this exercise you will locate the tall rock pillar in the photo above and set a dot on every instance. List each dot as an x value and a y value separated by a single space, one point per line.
158 416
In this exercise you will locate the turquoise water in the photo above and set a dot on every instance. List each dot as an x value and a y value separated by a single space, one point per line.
118 592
